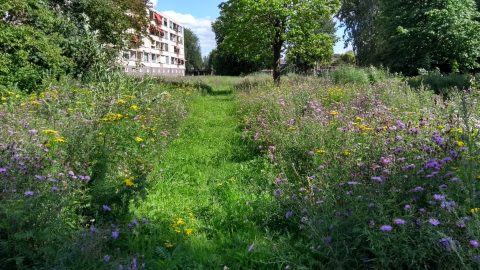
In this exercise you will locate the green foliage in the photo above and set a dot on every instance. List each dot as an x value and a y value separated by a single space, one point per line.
440 83
193 55
42 40
225 63
261 30
436 34
360 20
361 76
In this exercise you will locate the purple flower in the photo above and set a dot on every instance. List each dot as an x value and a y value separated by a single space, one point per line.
400 124
277 192
54 188
418 189
145 220
414 131
106 208
449 206
352 183
438 139
439 197
40 177
410 167
377 179
3 170
115 234
93 229
407 207
33 131
447 243
474 243
434 221
399 221
106 258
385 161
443 187
28 193
433 164
133 264
386 228
289 214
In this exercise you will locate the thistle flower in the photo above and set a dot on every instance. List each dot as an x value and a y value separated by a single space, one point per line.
386 228
399 221
434 222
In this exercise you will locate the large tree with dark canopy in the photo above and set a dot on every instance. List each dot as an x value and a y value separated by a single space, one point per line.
255 29
193 55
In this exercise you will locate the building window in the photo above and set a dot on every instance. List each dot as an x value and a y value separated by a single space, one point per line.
167 60
166 47
126 55
146 57
172 61
154 58
165 22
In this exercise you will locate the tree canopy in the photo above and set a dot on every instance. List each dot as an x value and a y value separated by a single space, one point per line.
264 29
193 54
58 37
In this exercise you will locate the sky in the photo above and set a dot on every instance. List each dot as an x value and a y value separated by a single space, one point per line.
198 15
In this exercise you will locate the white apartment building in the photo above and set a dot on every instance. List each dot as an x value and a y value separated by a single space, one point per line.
162 52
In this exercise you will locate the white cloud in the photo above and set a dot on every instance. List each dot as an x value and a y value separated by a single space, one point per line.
154 2
202 27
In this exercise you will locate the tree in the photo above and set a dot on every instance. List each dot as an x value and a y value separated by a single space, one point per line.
58 37
360 20
192 51
429 34
255 29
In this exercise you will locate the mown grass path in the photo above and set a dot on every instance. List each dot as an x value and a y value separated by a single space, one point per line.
208 196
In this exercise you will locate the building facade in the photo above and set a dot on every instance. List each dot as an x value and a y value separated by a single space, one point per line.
161 53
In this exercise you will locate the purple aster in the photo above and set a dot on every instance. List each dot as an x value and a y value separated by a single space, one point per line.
3 170
277 192
407 207
278 181
386 228
54 188
433 164
434 221
474 243
447 243
28 193
399 221
133 264
455 179
449 206
443 187
40 177
377 179
414 130
352 183
418 189
93 229
106 208
289 214
386 161
454 154
439 197
476 259
115 234
438 139
106 258
410 167
400 124
447 160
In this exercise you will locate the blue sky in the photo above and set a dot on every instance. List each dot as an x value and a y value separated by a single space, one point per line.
198 16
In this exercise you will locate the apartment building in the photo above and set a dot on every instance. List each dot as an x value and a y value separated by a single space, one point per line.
161 53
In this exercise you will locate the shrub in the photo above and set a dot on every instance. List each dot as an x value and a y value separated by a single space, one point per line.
440 83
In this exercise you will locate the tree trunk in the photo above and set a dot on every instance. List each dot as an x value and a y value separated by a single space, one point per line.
277 51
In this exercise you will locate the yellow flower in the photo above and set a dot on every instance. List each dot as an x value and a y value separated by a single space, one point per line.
475 210
112 117
129 182
457 130
365 128
292 128
4 99
178 231
478 177
333 113
320 152
460 144
138 139
50 131
179 222
359 119
134 107
441 127
168 245
60 140
188 232
121 101
346 153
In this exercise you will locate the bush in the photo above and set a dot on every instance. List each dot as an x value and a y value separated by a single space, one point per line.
440 83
